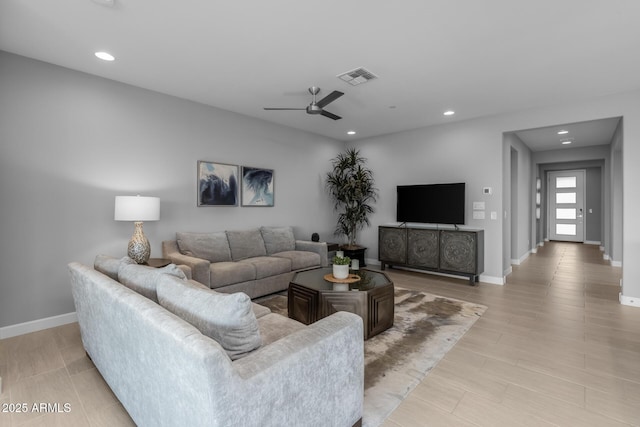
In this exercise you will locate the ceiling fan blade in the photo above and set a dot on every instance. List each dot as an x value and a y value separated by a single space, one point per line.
273 108
329 98
330 115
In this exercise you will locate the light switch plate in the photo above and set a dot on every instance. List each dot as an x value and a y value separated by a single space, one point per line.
478 206
478 214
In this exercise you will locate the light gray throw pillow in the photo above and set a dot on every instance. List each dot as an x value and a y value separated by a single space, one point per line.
278 239
108 265
144 279
213 247
227 318
246 244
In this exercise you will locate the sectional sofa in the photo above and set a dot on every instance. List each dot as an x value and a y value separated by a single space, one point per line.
256 261
177 353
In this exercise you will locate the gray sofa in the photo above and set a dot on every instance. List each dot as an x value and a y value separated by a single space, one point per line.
257 261
202 358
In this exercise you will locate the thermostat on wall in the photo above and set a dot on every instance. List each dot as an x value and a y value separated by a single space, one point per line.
487 190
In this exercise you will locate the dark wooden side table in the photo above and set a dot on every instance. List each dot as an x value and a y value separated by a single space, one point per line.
355 253
158 262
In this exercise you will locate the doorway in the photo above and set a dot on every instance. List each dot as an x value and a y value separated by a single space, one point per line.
566 205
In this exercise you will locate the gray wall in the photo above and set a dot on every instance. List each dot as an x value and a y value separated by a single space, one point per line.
71 142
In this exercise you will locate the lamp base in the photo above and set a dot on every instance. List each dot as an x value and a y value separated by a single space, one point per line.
139 249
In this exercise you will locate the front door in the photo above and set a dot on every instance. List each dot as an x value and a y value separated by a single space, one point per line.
566 205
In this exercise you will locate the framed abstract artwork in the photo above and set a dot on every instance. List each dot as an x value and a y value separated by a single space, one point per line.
217 184
257 186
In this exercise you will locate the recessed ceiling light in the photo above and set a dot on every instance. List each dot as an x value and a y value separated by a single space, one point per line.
351 132
566 142
105 56
449 113
563 132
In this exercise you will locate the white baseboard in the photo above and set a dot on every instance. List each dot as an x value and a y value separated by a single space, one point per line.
37 325
631 301
592 242
492 280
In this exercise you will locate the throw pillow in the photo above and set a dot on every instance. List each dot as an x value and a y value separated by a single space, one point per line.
227 318
213 247
144 279
246 244
278 239
109 265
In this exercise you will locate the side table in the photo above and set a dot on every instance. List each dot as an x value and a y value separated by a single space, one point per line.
158 262
355 253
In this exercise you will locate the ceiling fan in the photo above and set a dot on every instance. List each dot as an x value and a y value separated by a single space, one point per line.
317 107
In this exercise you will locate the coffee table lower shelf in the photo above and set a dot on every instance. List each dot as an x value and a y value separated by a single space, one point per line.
375 306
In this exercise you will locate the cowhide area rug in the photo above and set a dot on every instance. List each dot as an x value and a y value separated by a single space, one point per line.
425 327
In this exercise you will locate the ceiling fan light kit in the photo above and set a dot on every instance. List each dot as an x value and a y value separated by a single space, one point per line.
317 107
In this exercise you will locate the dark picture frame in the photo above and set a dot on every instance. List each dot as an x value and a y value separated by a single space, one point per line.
218 184
258 187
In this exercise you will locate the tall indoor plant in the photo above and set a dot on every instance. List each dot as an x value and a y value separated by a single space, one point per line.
350 184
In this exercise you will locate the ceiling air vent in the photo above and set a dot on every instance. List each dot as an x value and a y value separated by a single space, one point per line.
357 76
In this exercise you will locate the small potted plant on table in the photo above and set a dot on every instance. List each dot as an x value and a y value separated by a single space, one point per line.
341 267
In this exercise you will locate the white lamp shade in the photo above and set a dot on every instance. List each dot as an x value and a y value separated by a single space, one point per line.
137 208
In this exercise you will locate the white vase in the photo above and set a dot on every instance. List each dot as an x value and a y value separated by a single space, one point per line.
340 271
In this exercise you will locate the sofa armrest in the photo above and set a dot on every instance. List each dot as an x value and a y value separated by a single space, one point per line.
317 247
200 270
324 362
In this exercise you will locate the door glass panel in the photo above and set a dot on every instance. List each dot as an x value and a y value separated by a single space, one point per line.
566 182
566 229
565 214
565 197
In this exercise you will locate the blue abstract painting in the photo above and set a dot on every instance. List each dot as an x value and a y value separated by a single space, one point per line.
217 184
257 186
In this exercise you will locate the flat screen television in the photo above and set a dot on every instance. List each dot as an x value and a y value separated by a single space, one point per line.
431 204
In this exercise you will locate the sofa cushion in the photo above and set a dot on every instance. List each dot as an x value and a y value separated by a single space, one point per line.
278 239
274 326
300 259
213 247
109 265
246 244
228 273
267 266
227 318
144 279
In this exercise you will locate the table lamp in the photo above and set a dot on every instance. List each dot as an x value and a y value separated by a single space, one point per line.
138 209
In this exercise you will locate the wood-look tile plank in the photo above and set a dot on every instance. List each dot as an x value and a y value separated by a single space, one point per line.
555 411
418 413
484 412
536 381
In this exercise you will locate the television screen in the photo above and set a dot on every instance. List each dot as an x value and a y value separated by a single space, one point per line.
431 204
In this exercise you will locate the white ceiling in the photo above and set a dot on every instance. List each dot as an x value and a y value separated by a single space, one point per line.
582 134
475 57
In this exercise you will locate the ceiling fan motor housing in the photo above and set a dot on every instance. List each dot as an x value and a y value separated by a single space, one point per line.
314 109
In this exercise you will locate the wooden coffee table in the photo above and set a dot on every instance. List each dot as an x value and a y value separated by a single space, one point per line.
311 298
